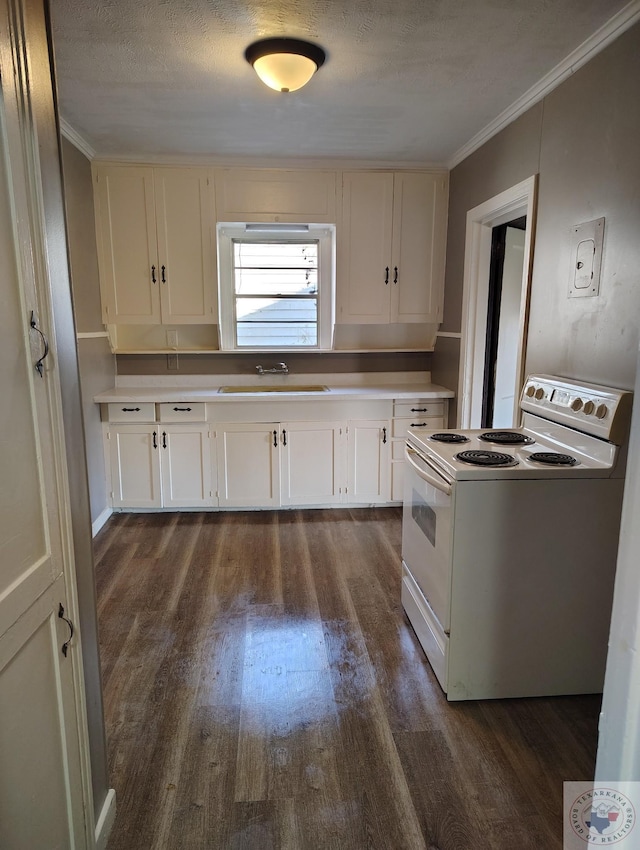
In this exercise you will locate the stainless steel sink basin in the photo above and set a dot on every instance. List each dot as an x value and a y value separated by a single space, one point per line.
281 388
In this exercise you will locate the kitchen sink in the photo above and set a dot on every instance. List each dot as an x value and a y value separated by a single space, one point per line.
281 388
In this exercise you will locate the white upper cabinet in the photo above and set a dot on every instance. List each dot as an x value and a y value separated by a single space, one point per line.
391 247
155 245
275 195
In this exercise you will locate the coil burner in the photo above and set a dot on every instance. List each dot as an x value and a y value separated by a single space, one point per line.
449 438
553 459
506 438
486 458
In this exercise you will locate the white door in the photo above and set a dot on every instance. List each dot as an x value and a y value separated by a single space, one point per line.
418 254
127 245
41 786
185 460
185 223
364 271
369 461
311 463
135 466
248 465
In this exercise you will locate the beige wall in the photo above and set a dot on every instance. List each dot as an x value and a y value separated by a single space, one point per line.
582 140
96 363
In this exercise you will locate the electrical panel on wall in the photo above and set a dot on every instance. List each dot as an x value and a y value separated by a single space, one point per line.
586 258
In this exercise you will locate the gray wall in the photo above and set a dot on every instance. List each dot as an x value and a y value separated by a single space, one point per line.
96 362
582 140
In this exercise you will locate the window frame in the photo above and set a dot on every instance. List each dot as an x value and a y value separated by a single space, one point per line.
324 234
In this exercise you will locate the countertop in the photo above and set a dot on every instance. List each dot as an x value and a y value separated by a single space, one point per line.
338 389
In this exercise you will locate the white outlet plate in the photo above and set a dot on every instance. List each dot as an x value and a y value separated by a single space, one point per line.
172 339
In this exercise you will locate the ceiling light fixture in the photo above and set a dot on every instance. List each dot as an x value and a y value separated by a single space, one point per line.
284 64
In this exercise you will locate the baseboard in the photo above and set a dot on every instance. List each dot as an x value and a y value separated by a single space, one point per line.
106 819
100 521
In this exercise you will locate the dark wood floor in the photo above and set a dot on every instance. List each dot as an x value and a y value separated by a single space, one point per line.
264 691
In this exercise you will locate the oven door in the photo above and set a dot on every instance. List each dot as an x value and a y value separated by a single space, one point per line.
426 532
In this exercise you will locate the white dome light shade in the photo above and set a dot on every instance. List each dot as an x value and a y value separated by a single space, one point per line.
284 64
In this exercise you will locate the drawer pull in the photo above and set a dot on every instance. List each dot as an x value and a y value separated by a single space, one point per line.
153 274
284 437
155 440
131 410
164 277
419 409
182 409
395 274
164 439
418 424
384 435
386 275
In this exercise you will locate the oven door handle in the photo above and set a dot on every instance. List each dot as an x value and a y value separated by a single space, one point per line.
425 472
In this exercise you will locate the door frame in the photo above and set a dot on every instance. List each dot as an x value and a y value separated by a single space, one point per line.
512 203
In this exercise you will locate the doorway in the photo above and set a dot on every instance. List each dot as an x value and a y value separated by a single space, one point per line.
486 356
503 311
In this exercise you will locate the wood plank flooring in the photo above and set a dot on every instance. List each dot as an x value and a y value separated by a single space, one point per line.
264 691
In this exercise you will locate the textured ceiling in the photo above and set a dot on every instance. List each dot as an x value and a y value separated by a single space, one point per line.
405 80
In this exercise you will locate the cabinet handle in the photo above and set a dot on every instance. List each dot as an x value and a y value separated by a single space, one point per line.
164 279
418 424
418 409
182 409
386 276
155 440
65 645
284 437
153 274
384 435
164 439
131 410
395 274
275 439
34 326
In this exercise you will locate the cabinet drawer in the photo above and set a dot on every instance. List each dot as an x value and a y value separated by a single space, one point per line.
417 422
418 408
183 411
134 411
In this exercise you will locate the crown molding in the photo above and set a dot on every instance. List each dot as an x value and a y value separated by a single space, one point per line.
288 163
76 139
600 39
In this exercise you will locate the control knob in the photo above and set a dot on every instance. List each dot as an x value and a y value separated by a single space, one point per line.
530 391
576 404
589 407
539 393
601 411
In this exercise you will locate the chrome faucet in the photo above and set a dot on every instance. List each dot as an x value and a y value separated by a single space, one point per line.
280 369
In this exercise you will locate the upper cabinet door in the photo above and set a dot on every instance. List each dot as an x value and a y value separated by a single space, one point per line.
364 248
186 233
418 252
127 248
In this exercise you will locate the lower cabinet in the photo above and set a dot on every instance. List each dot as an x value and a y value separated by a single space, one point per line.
369 454
160 465
182 461
135 466
312 463
270 464
185 466
248 465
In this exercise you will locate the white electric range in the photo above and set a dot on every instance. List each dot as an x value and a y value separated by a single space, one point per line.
509 543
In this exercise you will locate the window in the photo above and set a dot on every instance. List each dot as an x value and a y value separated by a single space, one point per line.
276 286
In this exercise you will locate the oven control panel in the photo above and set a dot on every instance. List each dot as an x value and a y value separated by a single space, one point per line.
604 412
